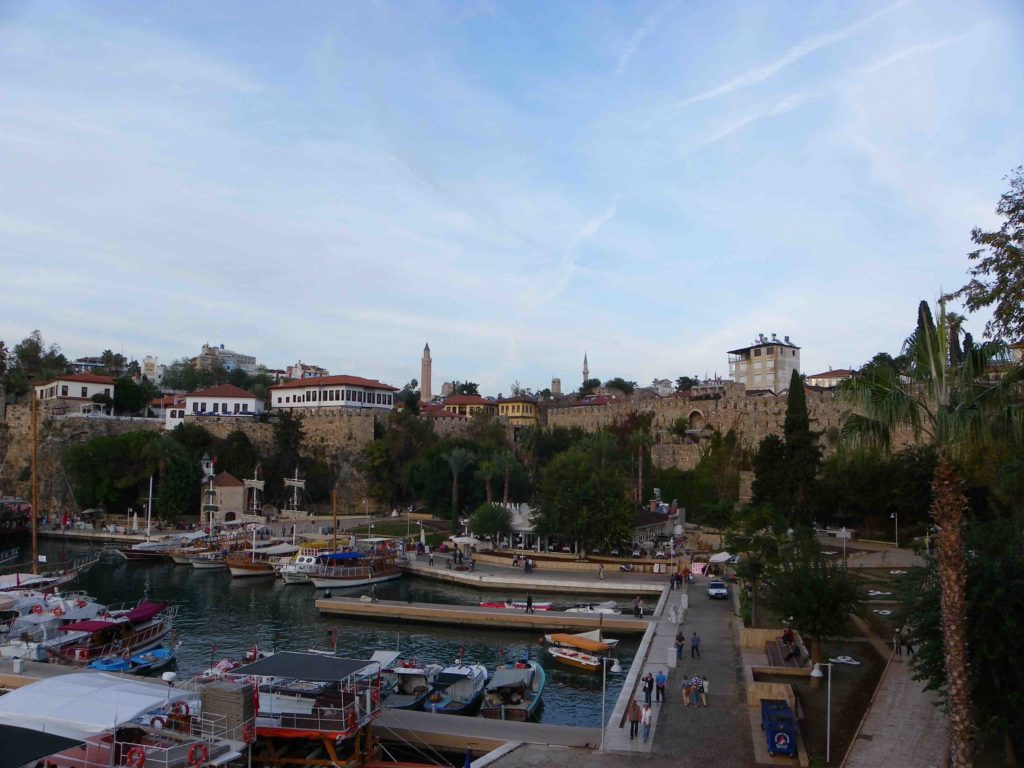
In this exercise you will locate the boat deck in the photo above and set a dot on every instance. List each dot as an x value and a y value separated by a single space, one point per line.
470 615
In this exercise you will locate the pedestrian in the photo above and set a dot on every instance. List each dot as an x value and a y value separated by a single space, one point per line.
431 560
636 606
680 643
600 571
645 719
695 684
687 691
695 646
640 608
897 642
659 685
906 640
648 688
703 690
529 604
671 582
373 593
633 715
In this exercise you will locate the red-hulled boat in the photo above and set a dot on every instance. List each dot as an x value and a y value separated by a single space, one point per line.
111 633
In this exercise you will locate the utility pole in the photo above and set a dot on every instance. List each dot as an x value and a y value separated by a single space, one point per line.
35 482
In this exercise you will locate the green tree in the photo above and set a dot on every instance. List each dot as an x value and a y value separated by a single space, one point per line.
505 464
31 361
959 411
466 388
491 520
997 277
409 396
758 536
817 591
131 398
486 471
458 459
588 387
684 383
619 383
803 454
579 501
286 456
113 362
642 440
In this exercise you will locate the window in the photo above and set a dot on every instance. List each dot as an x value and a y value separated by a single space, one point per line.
203 407
195 407
757 379
216 407
106 391
757 353
245 407
769 350
757 366
224 408
279 398
236 407
793 353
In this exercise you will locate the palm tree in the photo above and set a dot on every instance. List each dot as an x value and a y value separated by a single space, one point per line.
486 470
457 460
642 439
960 410
505 462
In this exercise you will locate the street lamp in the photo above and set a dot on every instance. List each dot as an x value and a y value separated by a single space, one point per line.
896 516
818 674
604 687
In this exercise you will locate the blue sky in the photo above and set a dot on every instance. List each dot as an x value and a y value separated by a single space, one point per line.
653 183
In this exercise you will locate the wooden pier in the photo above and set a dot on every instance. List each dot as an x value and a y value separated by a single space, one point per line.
475 616
476 733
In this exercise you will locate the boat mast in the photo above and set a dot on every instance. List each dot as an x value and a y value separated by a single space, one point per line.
149 508
35 482
334 517
256 485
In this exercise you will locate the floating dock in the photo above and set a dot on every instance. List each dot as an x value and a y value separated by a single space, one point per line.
476 733
474 616
508 579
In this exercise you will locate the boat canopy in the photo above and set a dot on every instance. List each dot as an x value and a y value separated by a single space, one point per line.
78 706
24 746
89 625
313 667
275 549
510 677
331 557
450 675
385 658
583 643
144 611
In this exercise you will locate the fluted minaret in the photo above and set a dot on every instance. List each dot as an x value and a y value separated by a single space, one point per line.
586 369
425 395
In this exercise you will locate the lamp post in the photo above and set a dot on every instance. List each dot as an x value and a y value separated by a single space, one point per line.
604 688
818 674
896 516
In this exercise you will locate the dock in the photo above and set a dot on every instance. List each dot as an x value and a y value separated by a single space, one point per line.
475 616
514 580
477 733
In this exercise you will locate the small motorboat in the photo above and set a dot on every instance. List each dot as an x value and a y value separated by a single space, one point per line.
591 642
146 661
514 691
609 607
413 684
458 690
519 605
578 659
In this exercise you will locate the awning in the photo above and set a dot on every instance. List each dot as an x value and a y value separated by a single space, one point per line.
144 611
720 557
505 677
333 556
471 540
302 666
90 625
447 677
275 549
23 745
82 705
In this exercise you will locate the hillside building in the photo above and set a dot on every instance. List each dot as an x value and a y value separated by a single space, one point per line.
333 392
829 378
767 364
75 391
223 400
228 359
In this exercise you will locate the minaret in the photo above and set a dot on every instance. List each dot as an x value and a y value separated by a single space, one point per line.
425 396
586 369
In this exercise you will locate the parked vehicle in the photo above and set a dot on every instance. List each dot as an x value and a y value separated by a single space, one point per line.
718 590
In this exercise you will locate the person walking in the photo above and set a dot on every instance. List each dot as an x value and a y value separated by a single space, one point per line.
671 582
430 560
695 684
636 606
695 646
680 643
633 715
905 636
659 685
600 571
648 688
645 720
897 641
703 691
687 692
529 604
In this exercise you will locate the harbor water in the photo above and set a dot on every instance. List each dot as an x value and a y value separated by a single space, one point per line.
220 617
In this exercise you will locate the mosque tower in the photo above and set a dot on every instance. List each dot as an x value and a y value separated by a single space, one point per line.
586 369
425 396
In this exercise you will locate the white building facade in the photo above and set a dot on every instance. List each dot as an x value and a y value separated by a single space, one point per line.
223 400
76 391
333 392
766 364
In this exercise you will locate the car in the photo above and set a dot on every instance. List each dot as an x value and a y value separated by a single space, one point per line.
718 590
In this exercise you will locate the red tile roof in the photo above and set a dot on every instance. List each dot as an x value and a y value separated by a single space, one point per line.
838 373
167 401
330 381
84 378
227 480
222 390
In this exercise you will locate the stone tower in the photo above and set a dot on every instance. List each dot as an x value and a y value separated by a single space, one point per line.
556 387
425 396
586 369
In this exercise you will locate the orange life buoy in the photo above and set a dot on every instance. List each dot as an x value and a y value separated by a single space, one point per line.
157 722
180 708
248 733
58 611
198 754
136 757
37 609
81 603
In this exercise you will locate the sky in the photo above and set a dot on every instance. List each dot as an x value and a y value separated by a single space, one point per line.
516 183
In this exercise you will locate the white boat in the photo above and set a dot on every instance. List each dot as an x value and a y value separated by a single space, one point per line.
607 608
412 684
592 641
458 690
340 570
28 618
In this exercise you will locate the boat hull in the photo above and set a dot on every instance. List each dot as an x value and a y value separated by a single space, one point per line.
576 659
248 572
448 707
342 582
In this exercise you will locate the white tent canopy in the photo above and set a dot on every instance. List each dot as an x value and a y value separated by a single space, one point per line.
82 705
720 557
471 540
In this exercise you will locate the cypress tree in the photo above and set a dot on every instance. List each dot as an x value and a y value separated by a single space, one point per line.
803 455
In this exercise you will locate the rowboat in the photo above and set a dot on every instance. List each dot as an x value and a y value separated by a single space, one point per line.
519 605
514 691
458 690
591 642
577 659
146 661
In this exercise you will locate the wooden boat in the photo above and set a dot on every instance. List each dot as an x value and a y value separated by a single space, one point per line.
412 686
577 659
146 661
258 561
514 691
210 561
458 690
111 633
518 605
591 642
339 570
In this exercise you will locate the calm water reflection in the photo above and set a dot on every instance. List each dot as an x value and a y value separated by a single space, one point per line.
220 617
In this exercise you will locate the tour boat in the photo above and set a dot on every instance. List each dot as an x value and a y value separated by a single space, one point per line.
303 565
413 684
519 605
338 570
458 690
28 617
591 642
610 607
147 661
514 691
112 632
258 561
209 561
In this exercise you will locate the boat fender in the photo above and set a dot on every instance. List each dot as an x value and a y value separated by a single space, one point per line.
435 697
136 757
375 696
248 733
58 611
157 722
81 603
180 708
198 754
37 609
352 722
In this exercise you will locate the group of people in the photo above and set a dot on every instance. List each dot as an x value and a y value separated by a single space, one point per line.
789 638
678 579
900 640
527 563
695 691
638 607
681 644
457 559
638 716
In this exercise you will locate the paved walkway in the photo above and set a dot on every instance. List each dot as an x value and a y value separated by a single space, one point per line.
902 727
718 735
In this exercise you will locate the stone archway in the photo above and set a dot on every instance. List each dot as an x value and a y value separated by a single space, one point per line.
696 419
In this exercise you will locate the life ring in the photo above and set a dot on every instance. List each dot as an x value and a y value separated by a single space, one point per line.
81 603
352 721
157 722
58 611
375 696
435 697
180 708
248 733
37 609
136 757
198 754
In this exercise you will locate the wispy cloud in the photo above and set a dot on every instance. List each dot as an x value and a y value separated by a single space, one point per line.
806 48
646 27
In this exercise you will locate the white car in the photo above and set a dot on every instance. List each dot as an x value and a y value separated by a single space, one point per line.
718 590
